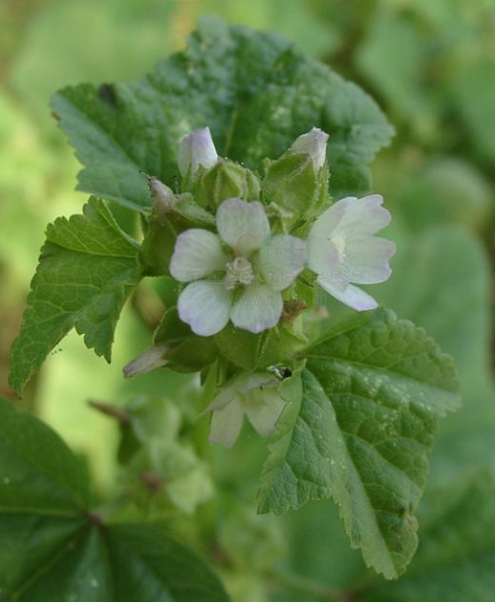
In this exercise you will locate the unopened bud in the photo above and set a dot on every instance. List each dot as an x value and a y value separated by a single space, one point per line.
148 360
227 180
162 196
196 149
314 143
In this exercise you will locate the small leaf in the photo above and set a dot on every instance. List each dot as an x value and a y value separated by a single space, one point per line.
234 80
52 547
372 394
88 268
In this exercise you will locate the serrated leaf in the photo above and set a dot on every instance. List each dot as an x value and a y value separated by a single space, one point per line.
437 275
373 392
53 548
299 468
88 267
254 90
456 560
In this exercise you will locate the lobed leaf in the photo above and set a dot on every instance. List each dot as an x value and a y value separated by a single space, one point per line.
456 560
45 508
372 394
256 92
87 270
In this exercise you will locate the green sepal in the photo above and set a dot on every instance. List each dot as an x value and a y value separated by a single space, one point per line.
294 186
158 245
187 351
258 351
227 180
193 213
162 229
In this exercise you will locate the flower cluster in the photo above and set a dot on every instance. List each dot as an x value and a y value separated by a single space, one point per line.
241 245
240 271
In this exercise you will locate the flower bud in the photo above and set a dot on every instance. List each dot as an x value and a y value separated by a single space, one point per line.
313 143
227 180
196 149
162 196
297 183
149 360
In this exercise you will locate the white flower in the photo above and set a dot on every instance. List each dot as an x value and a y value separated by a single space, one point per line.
342 249
314 143
254 395
196 149
237 275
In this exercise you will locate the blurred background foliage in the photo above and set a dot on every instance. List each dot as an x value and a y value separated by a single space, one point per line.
431 66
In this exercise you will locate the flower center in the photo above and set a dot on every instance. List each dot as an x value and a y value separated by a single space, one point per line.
239 271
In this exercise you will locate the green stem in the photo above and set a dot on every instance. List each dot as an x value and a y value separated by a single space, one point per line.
306 586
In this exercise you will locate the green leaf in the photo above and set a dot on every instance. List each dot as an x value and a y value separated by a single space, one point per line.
437 275
52 547
88 267
232 79
474 96
444 191
398 75
372 394
299 468
456 560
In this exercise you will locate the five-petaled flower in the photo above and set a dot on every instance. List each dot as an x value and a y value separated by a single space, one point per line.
254 395
343 251
237 275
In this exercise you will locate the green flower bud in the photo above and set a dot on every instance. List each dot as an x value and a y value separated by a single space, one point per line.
227 180
297 183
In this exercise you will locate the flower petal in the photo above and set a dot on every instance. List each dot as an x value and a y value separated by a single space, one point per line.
195 149
258 309
281 260
314 143
329 219
240 384
226 424
264 413
323 258
366 259
197 254
352 295
363 216
243 226
205 306
223 398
